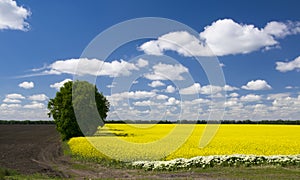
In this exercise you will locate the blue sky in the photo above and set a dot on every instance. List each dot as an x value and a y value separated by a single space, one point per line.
256 44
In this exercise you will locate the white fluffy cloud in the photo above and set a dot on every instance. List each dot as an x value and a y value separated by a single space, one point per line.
8 106
15 96
13 16
142 63
26 85
257 85
94 67
130 95
223 37
156 84
193 89
233 95
34 105
58 85
18 112
172 101
280 29
251 98
161 97
170 89
228 37
278 96
288 87
12 108
181 41
209 89
163 71
144 103
38 97
8 100
230 88
288 66
231 102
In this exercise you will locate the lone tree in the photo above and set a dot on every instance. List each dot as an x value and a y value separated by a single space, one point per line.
78 109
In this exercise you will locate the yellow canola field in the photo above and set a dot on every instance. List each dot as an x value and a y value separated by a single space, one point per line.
168 141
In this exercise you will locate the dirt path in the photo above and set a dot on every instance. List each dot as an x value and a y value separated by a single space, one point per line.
25 147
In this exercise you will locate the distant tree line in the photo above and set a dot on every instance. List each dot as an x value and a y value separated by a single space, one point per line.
291 122
25 122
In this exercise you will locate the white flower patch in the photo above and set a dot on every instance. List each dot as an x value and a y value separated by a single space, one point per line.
218 160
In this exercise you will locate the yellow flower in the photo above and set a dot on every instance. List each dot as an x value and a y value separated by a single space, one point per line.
230 139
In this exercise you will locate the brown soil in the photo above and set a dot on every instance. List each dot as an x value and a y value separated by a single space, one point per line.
37 149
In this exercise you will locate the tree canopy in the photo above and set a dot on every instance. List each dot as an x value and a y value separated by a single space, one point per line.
78 109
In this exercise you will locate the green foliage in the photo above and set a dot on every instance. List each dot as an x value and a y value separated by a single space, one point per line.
6 172
78 109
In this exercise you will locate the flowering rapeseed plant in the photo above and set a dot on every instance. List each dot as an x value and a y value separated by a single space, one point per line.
259 140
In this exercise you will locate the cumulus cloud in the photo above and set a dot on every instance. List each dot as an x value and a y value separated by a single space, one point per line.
156 84
208 89
280 29
229 37
84 66
180 41
94 67
13 16
13 109
231 103
8 100
163 71
142 63
278 96
251 98
5 106
130 95
161 97
277 29
233 95
15 96
222 37
288 66
26 85
284 102
170 89
230 88
38 97
172 101
144 103
257 85
193 89
58 85
18 112
152 48
34 105
211 89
